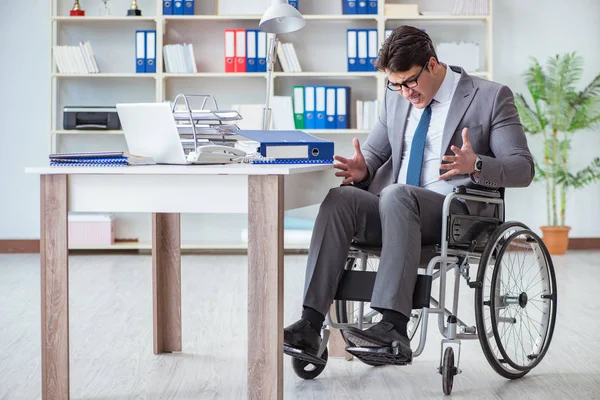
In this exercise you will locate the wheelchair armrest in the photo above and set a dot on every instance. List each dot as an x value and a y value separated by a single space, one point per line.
478 191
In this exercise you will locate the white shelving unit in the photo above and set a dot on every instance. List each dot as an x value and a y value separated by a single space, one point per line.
321 48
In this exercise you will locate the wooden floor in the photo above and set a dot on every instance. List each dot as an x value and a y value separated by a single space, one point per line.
111 337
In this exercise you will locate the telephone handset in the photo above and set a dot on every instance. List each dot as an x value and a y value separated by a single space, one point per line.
215 154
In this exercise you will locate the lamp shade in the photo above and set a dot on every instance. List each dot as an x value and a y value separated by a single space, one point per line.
281 18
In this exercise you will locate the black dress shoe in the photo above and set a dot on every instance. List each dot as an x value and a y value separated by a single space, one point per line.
382 334
300 335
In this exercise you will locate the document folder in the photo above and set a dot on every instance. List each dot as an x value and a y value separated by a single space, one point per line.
151 51
188 7
291 147
229 50
167 7
251 48
140 51
349 7
178 7
298 100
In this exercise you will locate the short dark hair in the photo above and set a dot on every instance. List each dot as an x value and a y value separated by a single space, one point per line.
404 49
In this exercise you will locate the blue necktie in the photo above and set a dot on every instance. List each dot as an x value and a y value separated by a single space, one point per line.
415 161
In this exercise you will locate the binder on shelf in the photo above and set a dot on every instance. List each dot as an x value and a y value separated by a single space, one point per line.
373 49
349 7
188 7
320 107
290 147
351 50
309 107
372 7
342 107
362 51
251 47
361 7
293 3
261 51
298 99
167 7
140 51
240 50
151 51
330 107
229 50
177 7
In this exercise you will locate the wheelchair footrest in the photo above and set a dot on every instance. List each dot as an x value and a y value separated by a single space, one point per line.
380 355
300 354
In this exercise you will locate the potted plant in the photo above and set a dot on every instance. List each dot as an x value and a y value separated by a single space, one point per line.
557 111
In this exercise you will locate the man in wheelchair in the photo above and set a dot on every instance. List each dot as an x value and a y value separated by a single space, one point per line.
439 128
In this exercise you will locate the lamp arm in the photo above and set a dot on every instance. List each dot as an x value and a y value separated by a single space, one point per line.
271 54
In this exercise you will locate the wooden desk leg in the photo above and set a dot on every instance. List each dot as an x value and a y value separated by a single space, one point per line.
265 287
166 282
337 346
54 274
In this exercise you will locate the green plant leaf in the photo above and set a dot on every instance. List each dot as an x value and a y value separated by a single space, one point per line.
530 119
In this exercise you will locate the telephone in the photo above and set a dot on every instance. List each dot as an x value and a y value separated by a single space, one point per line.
215 154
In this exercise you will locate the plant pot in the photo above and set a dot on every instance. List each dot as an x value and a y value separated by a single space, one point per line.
556 238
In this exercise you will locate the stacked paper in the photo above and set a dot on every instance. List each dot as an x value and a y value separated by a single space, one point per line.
76 59
179 58
366 114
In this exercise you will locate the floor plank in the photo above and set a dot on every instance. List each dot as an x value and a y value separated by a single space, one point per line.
110 307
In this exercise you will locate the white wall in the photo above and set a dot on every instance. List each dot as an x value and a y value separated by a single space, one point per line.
542 29
521 29
24 113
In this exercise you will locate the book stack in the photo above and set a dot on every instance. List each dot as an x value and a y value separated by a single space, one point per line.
470 7
180 58
288 59
98 159
366 114
76 59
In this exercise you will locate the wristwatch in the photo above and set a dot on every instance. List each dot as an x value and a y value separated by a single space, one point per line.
478 164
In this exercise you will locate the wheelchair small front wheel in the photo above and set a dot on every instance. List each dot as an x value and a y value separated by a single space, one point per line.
308 370
448 370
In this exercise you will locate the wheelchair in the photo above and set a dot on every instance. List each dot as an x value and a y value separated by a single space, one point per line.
515 295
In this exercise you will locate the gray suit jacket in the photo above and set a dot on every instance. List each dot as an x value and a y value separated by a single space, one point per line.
486 108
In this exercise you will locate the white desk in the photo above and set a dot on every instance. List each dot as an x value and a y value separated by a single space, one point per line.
262 191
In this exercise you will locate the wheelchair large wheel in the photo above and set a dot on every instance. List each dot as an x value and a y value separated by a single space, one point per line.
349 311
515 305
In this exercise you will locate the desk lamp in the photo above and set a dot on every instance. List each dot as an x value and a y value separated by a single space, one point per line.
280 17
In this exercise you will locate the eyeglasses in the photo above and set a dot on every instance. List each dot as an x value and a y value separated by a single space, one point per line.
396 87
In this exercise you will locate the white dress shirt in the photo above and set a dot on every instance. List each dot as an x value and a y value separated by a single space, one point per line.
430 171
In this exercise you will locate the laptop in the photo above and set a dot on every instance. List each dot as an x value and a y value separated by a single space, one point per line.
150 131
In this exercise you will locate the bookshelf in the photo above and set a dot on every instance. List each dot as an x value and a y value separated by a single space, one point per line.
320 46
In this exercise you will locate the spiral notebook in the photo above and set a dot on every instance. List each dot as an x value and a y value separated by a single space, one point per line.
98 159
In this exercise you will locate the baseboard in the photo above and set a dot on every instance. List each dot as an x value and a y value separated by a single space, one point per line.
584 243
33 246
19 246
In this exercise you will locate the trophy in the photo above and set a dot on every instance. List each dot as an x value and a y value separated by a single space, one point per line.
104 10
134 11
77 11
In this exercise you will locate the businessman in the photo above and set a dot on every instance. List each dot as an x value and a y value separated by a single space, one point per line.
438 128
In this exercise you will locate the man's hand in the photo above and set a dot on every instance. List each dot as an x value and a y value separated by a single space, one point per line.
352 169
463 162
